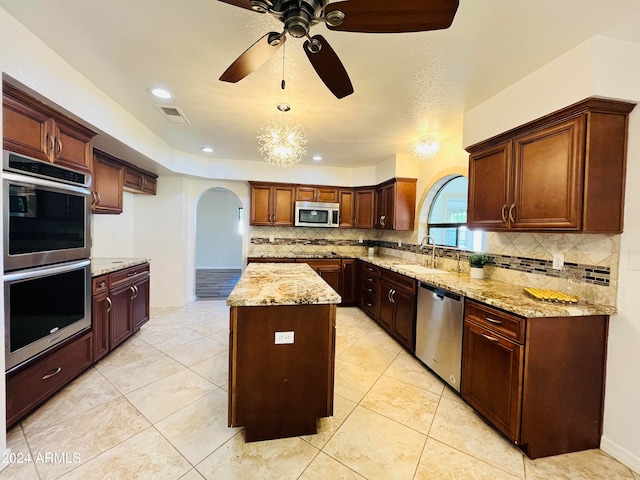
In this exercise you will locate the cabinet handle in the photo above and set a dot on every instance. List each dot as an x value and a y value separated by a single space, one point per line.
493 339
137 291
496 322
369 305
504 213
109 304
389 295
369 289
393 296
52 374
511 209
133 292
58 150
132 274
102 284
50 144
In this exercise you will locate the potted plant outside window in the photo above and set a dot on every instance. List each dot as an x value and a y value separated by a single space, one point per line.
477 261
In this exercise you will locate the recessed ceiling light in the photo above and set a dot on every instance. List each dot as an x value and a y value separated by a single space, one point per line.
317 158
160 92
207 149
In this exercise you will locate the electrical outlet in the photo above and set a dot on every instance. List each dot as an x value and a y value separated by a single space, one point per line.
399 243
284 338
360 239
271 238
558 261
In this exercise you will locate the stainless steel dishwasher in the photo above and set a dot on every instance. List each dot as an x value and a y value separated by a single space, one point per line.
439 332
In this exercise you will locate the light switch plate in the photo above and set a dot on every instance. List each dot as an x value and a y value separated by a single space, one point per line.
283 338
558 261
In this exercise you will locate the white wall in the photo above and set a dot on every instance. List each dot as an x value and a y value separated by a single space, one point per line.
610 68
218 239
112 235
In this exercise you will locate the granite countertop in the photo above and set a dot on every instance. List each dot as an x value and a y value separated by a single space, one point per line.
104 265
502 295
302 255
264 284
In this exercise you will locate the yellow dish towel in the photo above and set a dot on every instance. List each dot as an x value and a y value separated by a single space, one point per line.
550 295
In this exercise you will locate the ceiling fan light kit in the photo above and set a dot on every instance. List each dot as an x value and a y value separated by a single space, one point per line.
364 16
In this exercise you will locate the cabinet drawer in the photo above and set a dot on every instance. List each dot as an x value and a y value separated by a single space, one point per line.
123 276
369 302
399 281
33 385
100 284
502 323
370 269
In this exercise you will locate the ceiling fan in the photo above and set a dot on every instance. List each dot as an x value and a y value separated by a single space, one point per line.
365 16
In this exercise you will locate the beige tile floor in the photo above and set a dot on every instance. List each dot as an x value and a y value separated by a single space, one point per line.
156 408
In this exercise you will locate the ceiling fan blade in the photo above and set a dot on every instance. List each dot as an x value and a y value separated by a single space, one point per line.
385 16
252 58
329 67
238 3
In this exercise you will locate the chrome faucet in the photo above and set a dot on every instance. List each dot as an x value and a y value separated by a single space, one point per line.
433 250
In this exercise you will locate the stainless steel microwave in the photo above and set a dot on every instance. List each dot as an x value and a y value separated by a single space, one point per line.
317 214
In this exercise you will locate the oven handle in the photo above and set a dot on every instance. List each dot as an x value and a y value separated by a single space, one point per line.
44 271
41 182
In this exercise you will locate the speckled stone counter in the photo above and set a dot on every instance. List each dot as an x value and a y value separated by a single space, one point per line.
281 284
104 265
502 295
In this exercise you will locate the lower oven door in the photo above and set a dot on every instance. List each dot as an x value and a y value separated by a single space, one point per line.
43 307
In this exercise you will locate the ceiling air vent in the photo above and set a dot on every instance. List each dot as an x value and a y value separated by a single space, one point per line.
172 114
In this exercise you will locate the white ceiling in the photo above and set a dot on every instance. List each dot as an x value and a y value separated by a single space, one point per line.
403 83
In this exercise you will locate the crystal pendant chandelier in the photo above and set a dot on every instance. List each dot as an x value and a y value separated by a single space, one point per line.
282 144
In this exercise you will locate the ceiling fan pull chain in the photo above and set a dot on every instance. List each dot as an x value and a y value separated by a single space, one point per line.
283 84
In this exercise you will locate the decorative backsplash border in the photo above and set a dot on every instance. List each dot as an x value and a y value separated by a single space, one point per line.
592 274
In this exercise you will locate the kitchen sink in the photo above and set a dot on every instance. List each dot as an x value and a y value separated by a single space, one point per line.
412 267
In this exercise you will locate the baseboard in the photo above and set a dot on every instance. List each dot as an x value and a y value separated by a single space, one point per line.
5 454
220 268
620 454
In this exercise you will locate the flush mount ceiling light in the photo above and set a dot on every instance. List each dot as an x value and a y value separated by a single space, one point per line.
160 92
282 144
207 149
425 147
317 158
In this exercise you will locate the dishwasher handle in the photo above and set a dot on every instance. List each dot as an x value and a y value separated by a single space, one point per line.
439 293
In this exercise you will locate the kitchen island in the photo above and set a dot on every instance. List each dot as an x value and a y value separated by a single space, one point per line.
281 351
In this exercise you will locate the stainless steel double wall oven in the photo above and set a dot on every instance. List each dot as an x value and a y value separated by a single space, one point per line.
47 271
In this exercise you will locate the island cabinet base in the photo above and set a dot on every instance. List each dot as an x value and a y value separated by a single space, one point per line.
281 369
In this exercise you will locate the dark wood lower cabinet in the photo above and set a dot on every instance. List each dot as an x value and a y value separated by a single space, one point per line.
391 300
117 313
280 390
30 387
538 380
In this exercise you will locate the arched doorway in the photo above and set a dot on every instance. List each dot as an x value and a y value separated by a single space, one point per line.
218 252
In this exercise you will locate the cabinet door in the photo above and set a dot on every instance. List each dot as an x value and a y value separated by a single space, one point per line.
492 371
364 207
385 306
548 176
260 205
283 206
121 314
107 185
404 322
24 129
305 193
349 281
101 316
140 303
72 147
490 188
345 198
327 194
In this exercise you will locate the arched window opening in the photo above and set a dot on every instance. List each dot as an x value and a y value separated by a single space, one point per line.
447 220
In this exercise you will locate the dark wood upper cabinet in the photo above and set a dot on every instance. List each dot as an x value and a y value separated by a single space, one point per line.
272 204
396 204
563 172
34 129
136 180
107 184
364 207
346 199
311 193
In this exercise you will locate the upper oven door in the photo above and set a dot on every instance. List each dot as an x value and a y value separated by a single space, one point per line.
45 222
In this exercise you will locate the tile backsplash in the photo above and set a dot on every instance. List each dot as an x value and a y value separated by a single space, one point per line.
591 261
